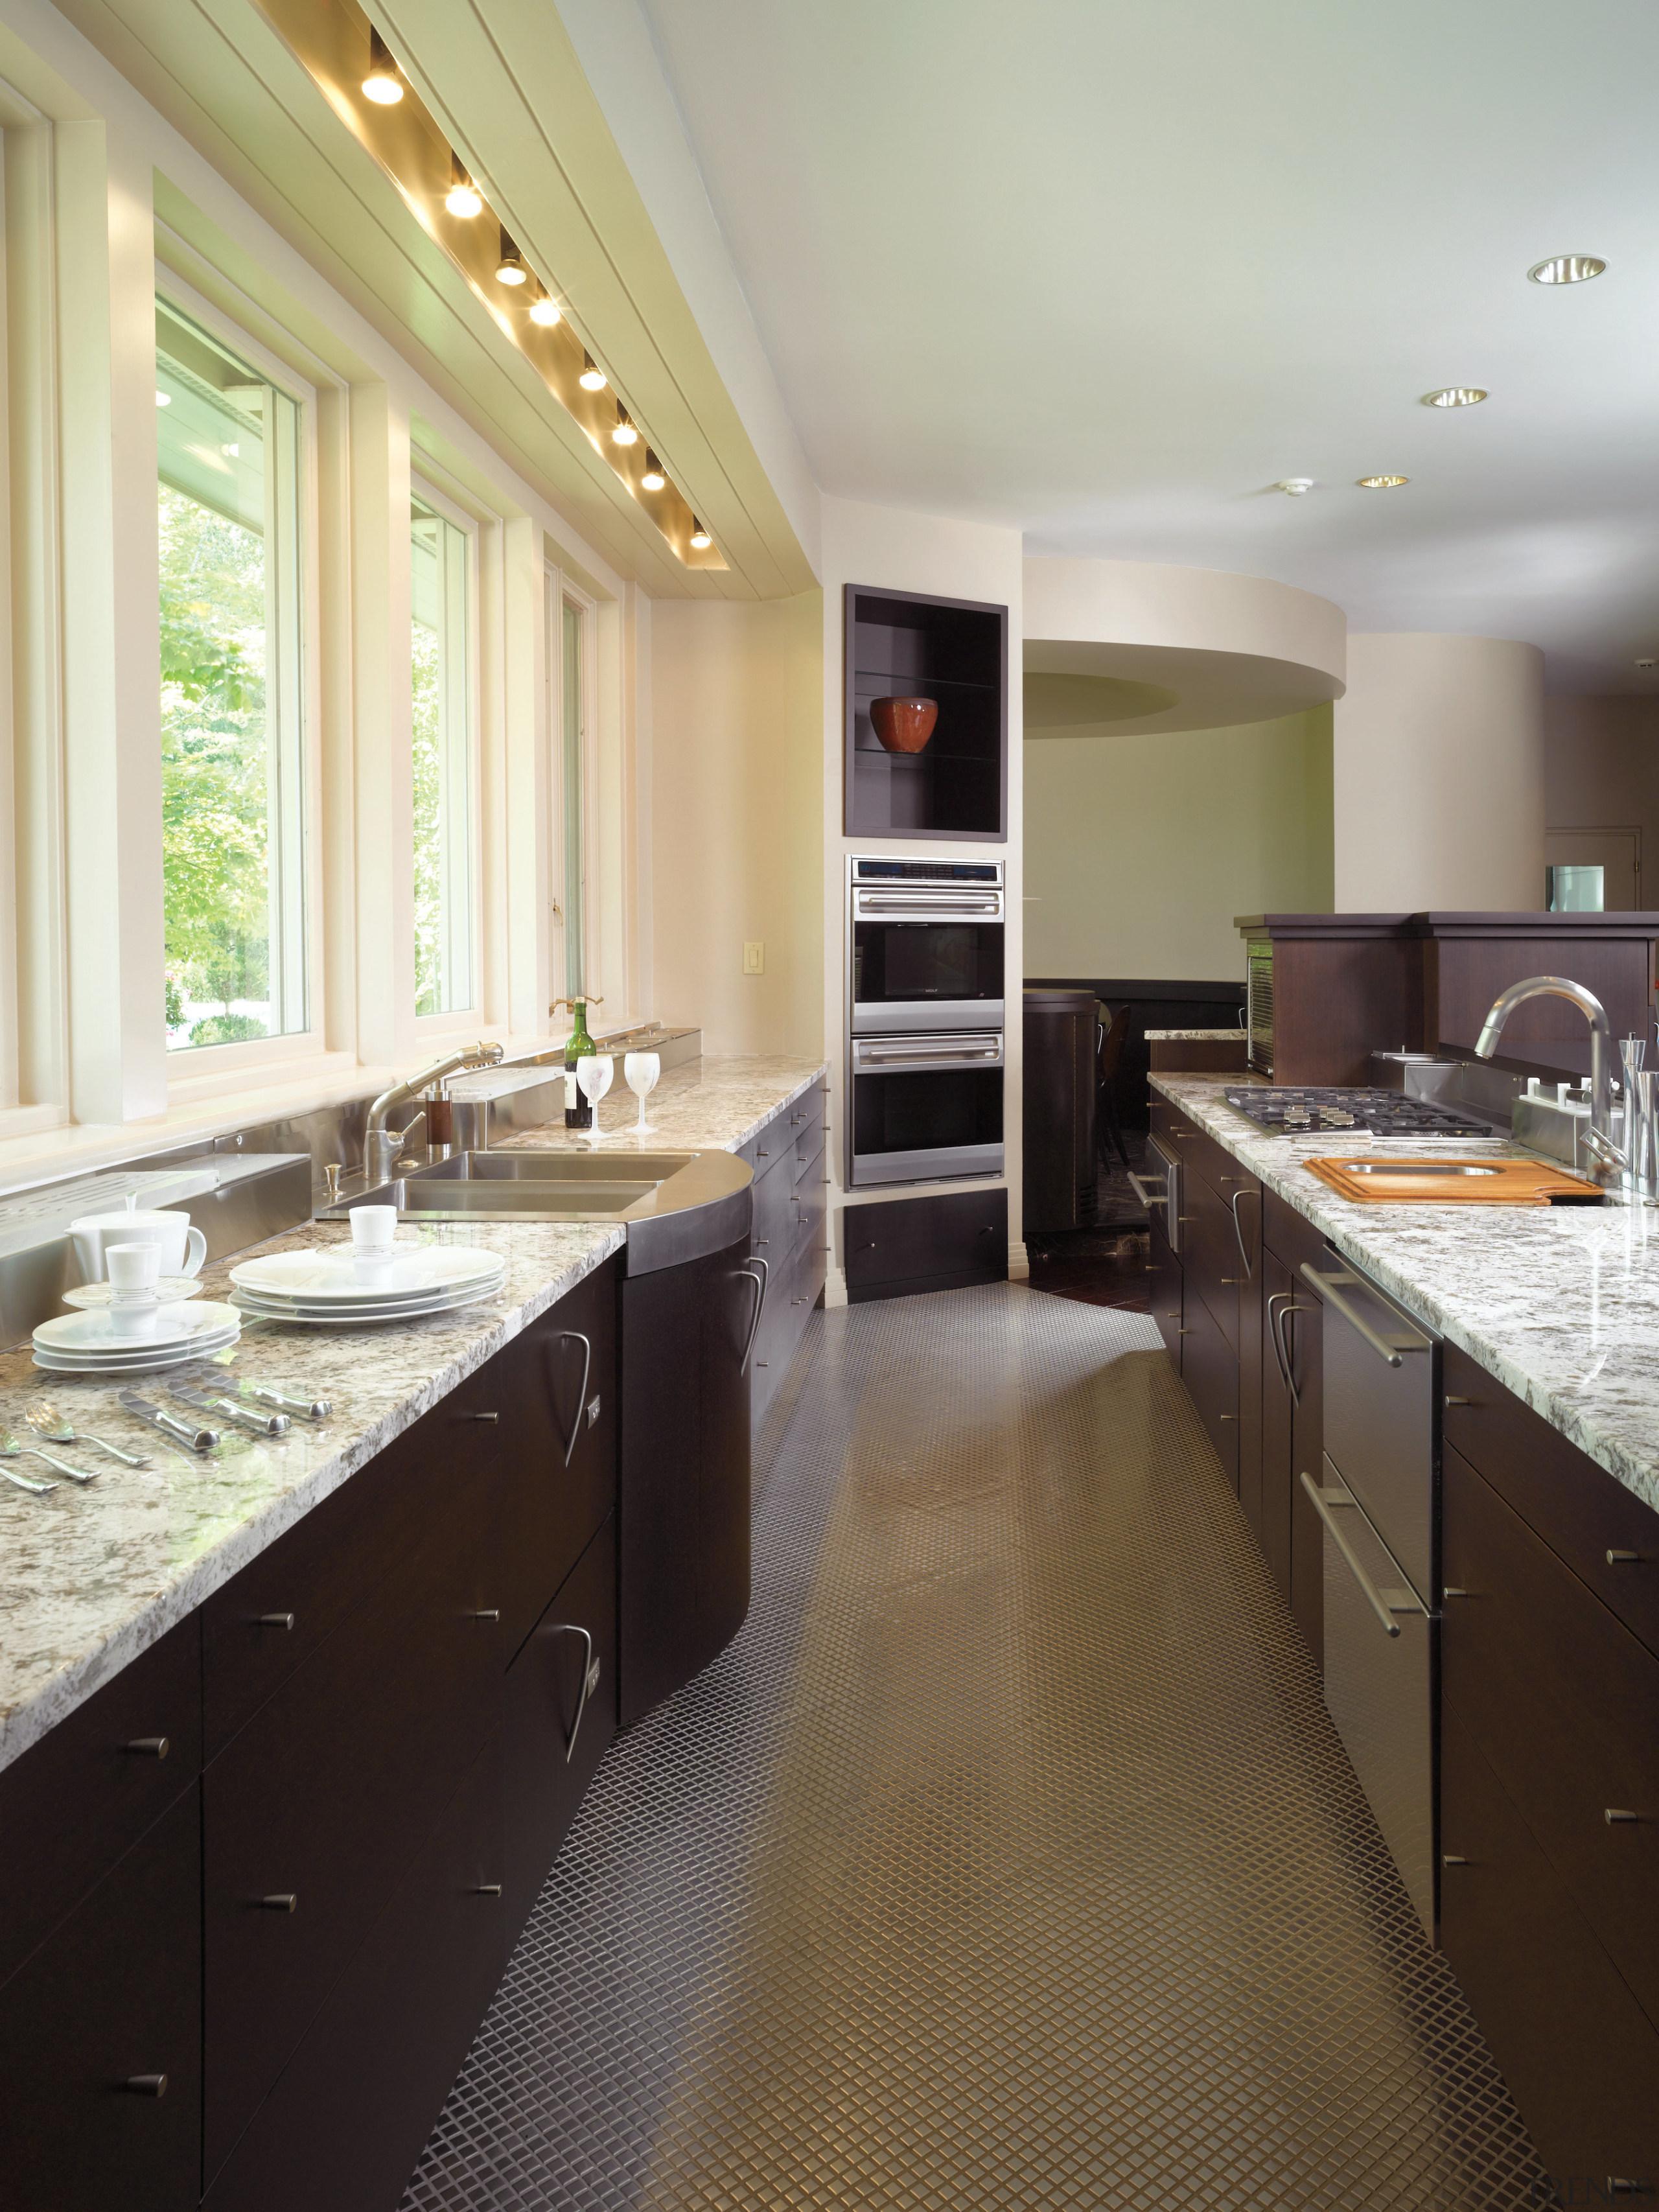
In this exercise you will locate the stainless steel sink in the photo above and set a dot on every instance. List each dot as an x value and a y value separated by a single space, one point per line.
672 1203
1415 1168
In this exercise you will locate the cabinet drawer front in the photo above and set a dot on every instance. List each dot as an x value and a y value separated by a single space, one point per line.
1164 1290
924 1242
1198 1151
1581 2058
549 1510
768 1144
332 1787
1578 1509
344 2125
1292 1237
549 1716
807 1163
803 1122
807 1212
1209 1368
774 1219
114 1994
76 1801
1209 1254
1564 1703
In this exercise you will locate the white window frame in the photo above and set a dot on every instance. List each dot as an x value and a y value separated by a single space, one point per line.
472 1019
202 1069
561 590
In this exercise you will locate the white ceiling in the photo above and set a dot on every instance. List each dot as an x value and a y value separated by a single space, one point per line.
1105 269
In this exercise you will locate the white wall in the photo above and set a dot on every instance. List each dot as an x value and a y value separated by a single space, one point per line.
1438 775
737 819
909 552
1601 771
1141 849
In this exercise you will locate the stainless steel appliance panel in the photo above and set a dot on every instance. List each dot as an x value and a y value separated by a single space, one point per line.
925 1107
1259 1005
1382 1393
1380 1661
924 945
1160 1187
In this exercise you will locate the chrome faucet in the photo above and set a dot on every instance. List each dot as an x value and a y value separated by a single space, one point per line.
1598 1140
380 1144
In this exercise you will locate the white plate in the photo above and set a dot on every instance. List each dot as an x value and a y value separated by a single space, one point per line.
168 1291
140 1362
176 1326
415 1310
334 1278
446 1294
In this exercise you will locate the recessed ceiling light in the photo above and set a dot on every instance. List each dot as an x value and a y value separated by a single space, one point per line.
1456 395
653 479
464 199
382 85
624 434
1381 483
1648 664
592 376
544 311
699 537
164 399
1296 486
510 268
1566 269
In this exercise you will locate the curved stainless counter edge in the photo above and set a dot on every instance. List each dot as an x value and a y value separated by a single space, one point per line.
1560 1304
702 1209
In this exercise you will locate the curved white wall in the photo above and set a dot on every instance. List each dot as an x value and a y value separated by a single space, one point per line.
1438 775
1143 603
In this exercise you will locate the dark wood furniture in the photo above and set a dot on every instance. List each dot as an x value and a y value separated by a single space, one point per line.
1344 986
953 650
1196 1055
1108 1120
791 1169
1063 1038
909 1245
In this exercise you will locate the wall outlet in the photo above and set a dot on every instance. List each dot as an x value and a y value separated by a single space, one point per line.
754 956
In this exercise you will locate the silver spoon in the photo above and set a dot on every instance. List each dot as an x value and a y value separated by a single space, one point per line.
28 1482
43 1417
11 1448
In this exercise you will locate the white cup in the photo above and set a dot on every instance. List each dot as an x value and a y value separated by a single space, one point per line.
373 1231
182 1247
134 1272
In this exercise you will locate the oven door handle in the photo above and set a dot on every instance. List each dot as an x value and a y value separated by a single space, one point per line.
942 1056
1384 1606
885 907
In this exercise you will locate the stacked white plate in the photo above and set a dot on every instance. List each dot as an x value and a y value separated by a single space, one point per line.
341 1289
89 1343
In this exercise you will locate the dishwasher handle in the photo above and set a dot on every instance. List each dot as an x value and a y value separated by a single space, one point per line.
1146 1196
1322 1502
1331 1287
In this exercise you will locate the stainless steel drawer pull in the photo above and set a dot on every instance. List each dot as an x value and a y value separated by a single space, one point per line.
148 2085
1383 1603
149 1746
762 1156
763 1283
1450 1400
486 1417
282 1901
1146 1196
1279 1324
488 1613
1624 1559
1616 1818
1233 1282
1450 1858
1244 1248
1226 1416
487 1889
590 1680
275 1620
1332 1286
1449 1591
575 1336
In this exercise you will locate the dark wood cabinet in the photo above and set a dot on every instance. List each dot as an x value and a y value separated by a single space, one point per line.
789 1158
900 1247
683 1502
101 2040
1302 1330
955 652
1209 1368
1166 1291
561 1714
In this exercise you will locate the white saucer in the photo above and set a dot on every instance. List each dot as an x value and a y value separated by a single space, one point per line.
93 1333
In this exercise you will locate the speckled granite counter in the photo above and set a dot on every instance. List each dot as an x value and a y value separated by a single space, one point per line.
1234 1036
1560 1304
89 1578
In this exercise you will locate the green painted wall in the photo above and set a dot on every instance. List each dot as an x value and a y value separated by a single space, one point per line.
1141 849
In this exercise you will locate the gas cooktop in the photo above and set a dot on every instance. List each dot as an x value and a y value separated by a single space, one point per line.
1292 1113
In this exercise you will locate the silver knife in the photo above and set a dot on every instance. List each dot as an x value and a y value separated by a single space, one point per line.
201 1440
308 1409
262 1424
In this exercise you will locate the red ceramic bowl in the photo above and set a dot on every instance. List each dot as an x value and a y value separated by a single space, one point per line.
904 726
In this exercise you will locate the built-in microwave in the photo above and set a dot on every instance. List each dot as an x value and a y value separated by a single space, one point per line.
925 948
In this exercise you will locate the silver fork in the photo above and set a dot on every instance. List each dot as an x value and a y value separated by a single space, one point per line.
28 1482
11 1448
43 1417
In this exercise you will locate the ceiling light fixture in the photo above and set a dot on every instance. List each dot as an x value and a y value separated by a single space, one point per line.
510 268
1566 269
1456 395
1381 483
164 399
545 310
382 85
1648 664
653 479
699 537
1294 486
624 434
465 199
592 376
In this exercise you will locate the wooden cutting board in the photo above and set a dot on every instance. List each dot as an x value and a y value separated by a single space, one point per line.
1464 1182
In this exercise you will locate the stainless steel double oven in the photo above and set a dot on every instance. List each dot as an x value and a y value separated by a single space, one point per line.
924 1031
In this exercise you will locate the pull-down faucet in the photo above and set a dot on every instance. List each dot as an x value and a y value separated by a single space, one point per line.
380 1144
1599 1139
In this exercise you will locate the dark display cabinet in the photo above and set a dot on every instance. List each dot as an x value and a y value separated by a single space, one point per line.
905 644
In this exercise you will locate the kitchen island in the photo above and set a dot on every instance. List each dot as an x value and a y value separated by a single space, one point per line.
1499 1694
290 1731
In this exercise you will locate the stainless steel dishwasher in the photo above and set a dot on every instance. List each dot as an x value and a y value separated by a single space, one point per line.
1380 1504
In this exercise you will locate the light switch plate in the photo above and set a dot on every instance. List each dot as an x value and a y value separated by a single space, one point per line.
754 956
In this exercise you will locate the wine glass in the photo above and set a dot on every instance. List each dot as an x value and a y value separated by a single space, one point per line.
641 1071
595 1072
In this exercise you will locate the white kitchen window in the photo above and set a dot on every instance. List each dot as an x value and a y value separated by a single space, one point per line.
233 736
444 766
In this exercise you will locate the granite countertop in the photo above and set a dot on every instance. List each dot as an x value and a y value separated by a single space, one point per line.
1195 1037
1560 1304
89 1578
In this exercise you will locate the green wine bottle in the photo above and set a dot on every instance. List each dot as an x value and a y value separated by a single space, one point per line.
577 1109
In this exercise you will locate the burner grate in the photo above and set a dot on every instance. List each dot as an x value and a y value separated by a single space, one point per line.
1289 1111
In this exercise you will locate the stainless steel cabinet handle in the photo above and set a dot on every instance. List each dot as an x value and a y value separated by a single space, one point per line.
1143 1194
1450 1400
1450 1858
283 1901
487 1889
1624 1559
762 1282
488 1613
1275 1299
1282 1344
1615 1818
149 1746
1323 1501
576 1628
275 1620
575 1336
148 2085
1330 1286
484 1417
1243 1253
